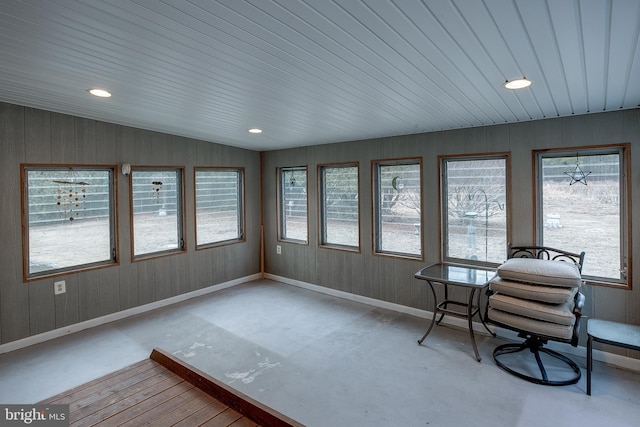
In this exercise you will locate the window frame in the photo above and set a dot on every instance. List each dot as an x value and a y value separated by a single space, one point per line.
375 215
180 212
113 220
624 152
444 204
240 207
281 215
322 226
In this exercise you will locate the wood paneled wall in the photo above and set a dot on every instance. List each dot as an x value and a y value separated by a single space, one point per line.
391 279
35 136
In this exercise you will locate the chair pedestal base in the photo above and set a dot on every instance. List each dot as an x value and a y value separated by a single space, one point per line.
536 346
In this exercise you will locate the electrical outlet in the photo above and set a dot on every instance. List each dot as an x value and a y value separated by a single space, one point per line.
278 249
59 287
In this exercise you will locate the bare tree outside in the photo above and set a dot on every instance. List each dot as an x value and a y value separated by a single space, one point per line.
475 194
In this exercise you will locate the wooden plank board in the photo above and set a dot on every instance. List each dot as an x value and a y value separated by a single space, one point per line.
152 416
113 378
238 401
196 402
162 397
113 400
150 393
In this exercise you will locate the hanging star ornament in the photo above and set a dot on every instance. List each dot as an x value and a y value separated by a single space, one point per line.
578 175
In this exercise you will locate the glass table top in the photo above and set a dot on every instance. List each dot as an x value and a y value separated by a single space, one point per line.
456 274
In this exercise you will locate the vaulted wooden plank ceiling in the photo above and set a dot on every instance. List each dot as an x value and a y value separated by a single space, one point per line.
313 72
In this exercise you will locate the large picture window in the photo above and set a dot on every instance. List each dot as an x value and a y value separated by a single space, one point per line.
339 224
474 209
157 217
292 204
219 205
582 205
69 220
397 195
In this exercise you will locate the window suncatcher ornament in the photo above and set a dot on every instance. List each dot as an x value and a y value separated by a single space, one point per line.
155 190
71 195
578 175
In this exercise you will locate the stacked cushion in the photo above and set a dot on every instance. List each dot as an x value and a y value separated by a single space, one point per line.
535 295
549 294
541 272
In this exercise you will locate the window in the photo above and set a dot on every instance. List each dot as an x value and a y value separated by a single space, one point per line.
474 209
339 224
157 205
582 205
292 200
69 220
219 205
397 207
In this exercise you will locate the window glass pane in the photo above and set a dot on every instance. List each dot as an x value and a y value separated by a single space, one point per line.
582 211
218 205
340 205
474 203
157 210
293 204
64 207
398 206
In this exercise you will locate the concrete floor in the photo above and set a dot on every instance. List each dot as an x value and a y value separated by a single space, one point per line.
325 361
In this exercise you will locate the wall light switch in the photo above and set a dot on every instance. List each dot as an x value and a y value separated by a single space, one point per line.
59 287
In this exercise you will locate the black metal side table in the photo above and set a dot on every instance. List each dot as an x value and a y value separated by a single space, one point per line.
473 278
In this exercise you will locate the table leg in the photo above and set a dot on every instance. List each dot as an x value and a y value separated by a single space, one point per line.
493 334
589 363
470 320
446 298
435 313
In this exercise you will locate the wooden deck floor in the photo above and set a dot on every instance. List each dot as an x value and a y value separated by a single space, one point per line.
162 391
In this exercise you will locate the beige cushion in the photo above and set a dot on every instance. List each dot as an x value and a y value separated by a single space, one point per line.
541 272
550 294
537 327
555 313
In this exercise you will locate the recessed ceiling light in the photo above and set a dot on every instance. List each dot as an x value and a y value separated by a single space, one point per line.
517 83
99 92
255 130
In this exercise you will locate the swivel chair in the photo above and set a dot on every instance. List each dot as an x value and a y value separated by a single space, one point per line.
536 293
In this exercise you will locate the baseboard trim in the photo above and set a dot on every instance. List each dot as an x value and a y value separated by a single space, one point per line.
580 351
77 327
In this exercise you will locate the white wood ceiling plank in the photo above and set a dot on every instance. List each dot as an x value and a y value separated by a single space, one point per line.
314 33
622 84
331 90
544 43
402 36
493 46
316 72
595 26
335 75
263 62
468 68
165 83
361 43
568 31
536 99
